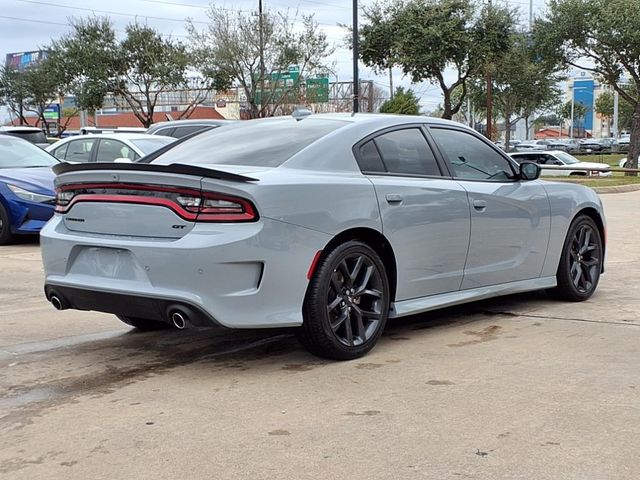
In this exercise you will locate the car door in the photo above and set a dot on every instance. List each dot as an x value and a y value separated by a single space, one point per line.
109 149
425 215
510 219
79 150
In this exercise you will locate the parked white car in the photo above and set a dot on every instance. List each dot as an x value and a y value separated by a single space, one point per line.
623 162
107 147
554 163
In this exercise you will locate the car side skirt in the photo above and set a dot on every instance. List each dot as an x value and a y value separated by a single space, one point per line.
433 302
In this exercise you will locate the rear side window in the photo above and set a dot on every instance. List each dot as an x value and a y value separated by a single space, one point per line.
60 152
407 152
261 143
370 160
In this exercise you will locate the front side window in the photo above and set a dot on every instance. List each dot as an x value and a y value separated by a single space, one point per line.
80 150
407 152
470 157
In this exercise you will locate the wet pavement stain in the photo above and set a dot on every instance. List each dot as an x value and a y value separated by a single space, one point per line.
485 335
440 382
302 367
366 413
369 366
22 403
280 433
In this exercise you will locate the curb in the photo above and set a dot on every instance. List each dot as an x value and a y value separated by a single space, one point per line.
616 189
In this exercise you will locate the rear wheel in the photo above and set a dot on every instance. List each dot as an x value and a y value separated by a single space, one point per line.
581 261
5 227
144 324
347 303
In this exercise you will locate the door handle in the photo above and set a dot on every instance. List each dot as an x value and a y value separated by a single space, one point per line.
480 205
393 198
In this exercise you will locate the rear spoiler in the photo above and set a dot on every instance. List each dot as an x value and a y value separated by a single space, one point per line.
177 168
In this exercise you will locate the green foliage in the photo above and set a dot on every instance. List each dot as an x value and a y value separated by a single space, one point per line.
426 37
604 106
404 102
579 110
601 36
229 50
136 69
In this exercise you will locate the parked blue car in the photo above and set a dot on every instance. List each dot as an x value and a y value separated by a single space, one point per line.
27 195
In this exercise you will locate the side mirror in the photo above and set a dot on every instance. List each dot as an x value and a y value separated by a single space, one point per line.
122 160
529 171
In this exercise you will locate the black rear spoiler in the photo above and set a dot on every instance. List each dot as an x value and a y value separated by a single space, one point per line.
177 168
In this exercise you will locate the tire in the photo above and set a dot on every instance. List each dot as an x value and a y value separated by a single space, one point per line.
6 236
581 261
145 325
347 303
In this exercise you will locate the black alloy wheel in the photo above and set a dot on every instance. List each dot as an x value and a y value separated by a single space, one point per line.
581 261
347 303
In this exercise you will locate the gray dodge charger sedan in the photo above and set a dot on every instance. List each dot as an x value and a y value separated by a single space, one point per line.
330 223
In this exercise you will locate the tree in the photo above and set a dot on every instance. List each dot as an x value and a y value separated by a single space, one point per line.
604 106
257 51
427 37
600 36
137 70
13 91
404 102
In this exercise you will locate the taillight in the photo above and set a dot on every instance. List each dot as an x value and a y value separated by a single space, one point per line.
192 205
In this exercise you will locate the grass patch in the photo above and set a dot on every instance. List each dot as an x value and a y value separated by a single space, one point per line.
612 159
613 181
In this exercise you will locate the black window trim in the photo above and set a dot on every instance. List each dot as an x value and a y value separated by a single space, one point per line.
495 148
445 174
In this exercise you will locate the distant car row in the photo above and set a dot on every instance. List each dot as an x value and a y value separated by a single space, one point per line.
566 145
559 164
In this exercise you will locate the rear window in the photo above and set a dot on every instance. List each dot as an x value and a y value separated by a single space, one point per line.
29 135
150 145
15 153
254 143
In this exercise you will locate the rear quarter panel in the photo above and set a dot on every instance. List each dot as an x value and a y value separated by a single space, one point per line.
566 201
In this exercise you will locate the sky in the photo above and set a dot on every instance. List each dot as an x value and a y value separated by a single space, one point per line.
27 25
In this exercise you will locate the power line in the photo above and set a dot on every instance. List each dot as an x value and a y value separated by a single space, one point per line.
31 20
109 12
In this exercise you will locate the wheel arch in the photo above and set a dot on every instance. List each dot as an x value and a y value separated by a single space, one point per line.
378 242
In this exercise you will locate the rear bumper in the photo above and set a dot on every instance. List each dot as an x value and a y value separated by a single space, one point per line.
250 275
128 305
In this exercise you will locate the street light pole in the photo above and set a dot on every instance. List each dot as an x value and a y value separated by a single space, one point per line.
356 54
573 103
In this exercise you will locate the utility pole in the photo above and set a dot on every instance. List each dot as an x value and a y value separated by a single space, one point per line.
530 15
261 52
391 82
356 54
616 107
490 96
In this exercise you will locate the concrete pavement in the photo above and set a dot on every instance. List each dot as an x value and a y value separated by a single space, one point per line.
521 387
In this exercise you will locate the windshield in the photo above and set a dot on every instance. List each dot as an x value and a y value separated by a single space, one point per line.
150 145
16 153
254 142
566 158
32 136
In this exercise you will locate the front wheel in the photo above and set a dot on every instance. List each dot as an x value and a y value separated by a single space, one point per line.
347 303
581 261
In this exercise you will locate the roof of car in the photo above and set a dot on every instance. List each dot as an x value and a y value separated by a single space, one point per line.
121 136
203 121
538 152
19 128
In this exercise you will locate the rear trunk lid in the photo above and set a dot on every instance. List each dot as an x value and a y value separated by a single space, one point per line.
136 200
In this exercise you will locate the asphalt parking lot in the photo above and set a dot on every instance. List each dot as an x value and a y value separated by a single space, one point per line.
521 387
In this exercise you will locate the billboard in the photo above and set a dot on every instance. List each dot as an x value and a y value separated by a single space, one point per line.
583 90
23 60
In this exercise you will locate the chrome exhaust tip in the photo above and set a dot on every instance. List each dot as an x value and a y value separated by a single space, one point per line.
56 302
178 320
